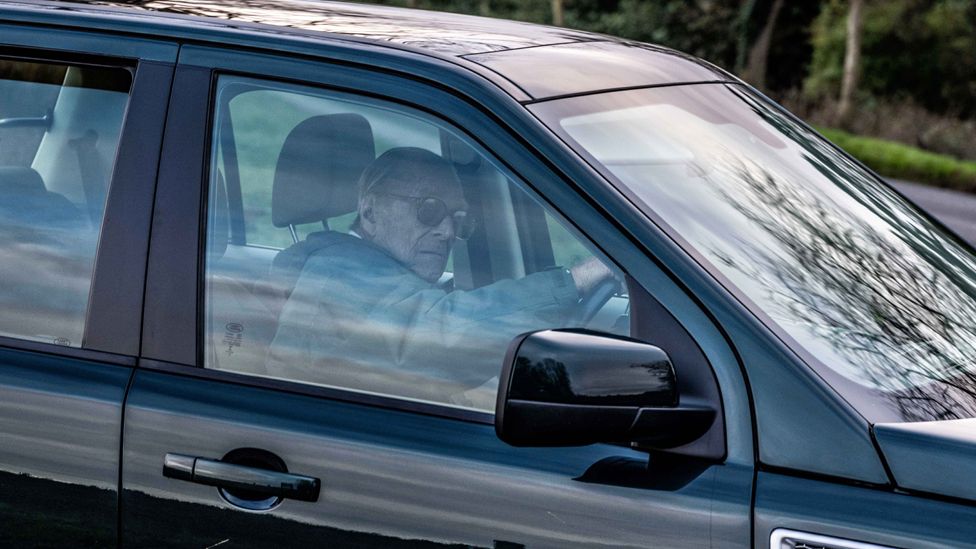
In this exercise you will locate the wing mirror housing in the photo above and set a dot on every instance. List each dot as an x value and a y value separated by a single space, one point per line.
578 387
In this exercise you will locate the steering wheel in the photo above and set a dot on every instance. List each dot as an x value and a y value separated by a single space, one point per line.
593 300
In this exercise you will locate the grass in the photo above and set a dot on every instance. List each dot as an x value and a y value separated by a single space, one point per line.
904 162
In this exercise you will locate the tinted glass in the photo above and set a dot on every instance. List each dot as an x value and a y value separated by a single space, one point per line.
59 131
862 283
340 250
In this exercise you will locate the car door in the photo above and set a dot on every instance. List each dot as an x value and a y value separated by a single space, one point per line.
380 443
80 130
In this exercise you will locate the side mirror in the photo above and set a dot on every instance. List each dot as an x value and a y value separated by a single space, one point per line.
577 387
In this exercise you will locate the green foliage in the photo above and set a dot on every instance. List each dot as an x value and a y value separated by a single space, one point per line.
791 47
533 11
827 64
705 28
918 50
904 162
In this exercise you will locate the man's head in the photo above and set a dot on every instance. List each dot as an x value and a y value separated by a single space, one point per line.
409 199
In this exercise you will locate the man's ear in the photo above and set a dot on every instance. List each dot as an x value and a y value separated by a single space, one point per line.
367 215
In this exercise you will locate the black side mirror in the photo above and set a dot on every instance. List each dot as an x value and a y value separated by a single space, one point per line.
577 387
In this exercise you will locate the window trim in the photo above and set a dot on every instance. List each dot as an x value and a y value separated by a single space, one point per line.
66 352
321 391
116 300
173 289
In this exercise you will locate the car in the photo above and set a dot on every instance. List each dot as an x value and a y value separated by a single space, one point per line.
681 319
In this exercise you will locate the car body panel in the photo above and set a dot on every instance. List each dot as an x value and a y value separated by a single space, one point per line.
145 24
436 32
931 456
61 422
450 38
391 476
62 407
76 39
857 513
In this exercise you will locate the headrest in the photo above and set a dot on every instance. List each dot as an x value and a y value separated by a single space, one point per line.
20 180
319 167
459 153
25 201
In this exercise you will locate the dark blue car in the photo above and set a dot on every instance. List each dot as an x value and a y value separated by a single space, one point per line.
326 275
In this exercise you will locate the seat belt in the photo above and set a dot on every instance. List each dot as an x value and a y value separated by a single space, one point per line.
91 167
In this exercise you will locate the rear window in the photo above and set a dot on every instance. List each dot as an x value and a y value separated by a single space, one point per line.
59 132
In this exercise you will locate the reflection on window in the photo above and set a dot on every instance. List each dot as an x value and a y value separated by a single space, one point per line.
59 130
360 245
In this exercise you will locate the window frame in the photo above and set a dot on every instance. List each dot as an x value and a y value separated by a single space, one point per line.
175 328
112 319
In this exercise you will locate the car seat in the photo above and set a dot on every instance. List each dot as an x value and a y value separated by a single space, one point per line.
240 326
316 178
26 202
46 255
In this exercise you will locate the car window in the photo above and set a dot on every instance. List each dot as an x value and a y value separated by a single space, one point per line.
360 244
59 131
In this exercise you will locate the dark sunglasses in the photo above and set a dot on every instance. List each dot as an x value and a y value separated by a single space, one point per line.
432 211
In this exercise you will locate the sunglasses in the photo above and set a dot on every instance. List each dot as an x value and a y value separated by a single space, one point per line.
432 211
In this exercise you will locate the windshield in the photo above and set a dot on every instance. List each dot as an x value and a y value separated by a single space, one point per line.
847 269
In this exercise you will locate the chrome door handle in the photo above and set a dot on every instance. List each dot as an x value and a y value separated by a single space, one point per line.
231 476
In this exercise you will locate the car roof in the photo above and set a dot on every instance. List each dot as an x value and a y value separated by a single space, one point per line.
541 62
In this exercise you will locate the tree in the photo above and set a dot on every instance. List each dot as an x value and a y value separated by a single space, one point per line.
852 60
755 71
557 13
745 15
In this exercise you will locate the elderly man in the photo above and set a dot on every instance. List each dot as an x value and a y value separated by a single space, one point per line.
367 313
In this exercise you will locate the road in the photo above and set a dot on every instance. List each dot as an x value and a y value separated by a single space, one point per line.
954 209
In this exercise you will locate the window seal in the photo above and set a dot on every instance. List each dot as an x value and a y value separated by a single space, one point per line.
62 351
331 393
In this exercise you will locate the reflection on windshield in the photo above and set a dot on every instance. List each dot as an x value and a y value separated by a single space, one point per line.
905 325
843 265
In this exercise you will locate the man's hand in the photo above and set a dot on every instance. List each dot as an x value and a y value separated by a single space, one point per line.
588 274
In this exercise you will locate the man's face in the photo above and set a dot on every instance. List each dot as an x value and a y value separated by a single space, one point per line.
397 229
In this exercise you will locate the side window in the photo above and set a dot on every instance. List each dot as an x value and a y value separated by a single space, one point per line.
59 131
359 244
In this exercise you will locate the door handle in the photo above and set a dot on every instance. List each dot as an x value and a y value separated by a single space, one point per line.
230 476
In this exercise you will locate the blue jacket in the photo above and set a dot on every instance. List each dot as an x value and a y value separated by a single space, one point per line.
360 319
